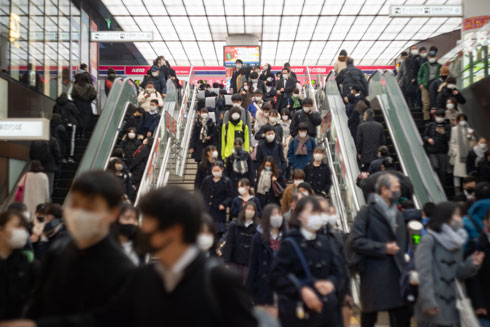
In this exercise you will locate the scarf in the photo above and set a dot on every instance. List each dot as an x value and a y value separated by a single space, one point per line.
463 143
480 155
296 103
302 150
265 182
388 212
450 239
204 130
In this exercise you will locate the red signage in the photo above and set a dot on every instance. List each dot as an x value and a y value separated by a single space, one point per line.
475 22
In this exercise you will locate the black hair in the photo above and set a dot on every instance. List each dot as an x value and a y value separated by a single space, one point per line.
100 183
303 126
461 115
208 222
236 97
8 215
18 206
83 66
286 112
307 186
268 128
258 91
128 207
294 221
254 75
428 208
203 165
422 48
266 106
154 101
275 170
36 166
241 214
451 80
286 69
239 61
349 61
442 214
118 152
307 102
387 163
235 109
299 173
244 182
482 191
218 163
469 179
55 210
171 206
265 221
384 151
408 204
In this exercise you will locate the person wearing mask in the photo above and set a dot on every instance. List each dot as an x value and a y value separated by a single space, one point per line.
476 156
256 103
318 173
236 251
274 122
400 69
452 111
304 273
247 93
71 119
462 137
206 240
299 177
46 216
355 116
218 194
256 83
208 158
439 263
270 92
267 75
239 165
294 200
49 154
262 117
236 73
147 95
244 196
341 63
473 221
301 148
484 170
232 130
203 134
295 103
18 270
153 77
33 188
165 70
308 115
305 189
436 138
449 90
375 166
350 77
111 76
285 88
150 120
83 272
244 115
478 285
83 93
267 174
428 73
134 119
378 239
468 193
423 55
141 156
370 136
127 233
130 144
436 84
285 123
118 168
271 147
265 245
411 69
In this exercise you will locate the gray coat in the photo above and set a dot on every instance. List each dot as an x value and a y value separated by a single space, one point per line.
380 278
438 270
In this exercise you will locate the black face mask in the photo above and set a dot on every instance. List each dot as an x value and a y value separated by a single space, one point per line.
443 77
147 247
50 228
470 190
127 230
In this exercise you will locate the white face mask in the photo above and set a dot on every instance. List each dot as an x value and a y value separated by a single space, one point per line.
154 74
238 66
18 238
331 220
119 167
415 52
258 99
285 76
255 80
307 109
423 55
215 154
298 181
242 190
245 88
318 156
451 86
276 221
463 123
302 134
270 137
285 118
249 214
266 114
440 119
83 225
450 106
205 242
432 60
483 146
235 116
153 109
313 223
273 120
204 116
217 174
131 135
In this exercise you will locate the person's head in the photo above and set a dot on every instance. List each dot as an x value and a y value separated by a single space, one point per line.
248 213
469 184
238 144
210 152
296 93
482 143
462 119
482 191
243 186
305 189
153 105
55 121
432 57
383 151
413 50
423 52
294 200
407 204
131 133
93 206
269 133
445 213
349 61
342 55
239 63
206 240
298 177
388 187
274 117
428 209
451 83
13 230
271 219
369 115
36 166
307 214
329 214
139 112
154 71
116 166
128 221
285 73
203 113
318 153
22 208
403 55
83 67
451 103
254 76
118 152
41 212
150 87
236 99
387 163
269 165
440 116
217 169
356 89
258 95
266 109
171 220
308 105
303 129
235 114
286 115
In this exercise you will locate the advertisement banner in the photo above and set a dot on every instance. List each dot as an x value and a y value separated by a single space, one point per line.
250 55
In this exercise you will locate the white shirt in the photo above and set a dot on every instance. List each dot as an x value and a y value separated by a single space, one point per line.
172 277
129 250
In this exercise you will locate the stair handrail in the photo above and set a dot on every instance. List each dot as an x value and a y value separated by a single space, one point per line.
184 145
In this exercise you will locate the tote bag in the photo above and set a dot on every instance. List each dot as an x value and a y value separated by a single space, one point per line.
19 195
467 316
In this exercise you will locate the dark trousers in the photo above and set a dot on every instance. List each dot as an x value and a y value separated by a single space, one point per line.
399 317
439 163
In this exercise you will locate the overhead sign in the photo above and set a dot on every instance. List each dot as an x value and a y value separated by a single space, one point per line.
250 55
120 36
27 129
426 11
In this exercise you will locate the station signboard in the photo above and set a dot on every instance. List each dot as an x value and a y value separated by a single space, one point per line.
426 11
24 129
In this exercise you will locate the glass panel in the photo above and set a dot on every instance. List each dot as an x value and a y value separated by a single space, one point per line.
35 68
18 36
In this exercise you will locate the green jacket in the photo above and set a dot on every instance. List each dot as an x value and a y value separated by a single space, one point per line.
424 73
228 134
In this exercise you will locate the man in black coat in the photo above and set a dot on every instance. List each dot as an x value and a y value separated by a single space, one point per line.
49 153
411 69
449 91
436 138
270 147
378 239
350 77
307 115
370 136
234 88
285 88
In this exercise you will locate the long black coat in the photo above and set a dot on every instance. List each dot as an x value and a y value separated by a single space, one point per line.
68 111
287 270
370 136
380 278
239 243
274 150
129 146
201 175
320 178
197 144
313 120
441 141
138 165
446 94
479 285
289 85
350 77
216 194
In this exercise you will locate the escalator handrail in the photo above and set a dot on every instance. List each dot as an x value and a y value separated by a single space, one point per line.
187 133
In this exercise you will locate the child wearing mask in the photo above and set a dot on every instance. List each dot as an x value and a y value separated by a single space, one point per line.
232 130
265 245
217 193
243 197
203 134
239 165
318 173
150 120
236 251
209 157
274 122
298 178
129 144
206 240
267 174
301 148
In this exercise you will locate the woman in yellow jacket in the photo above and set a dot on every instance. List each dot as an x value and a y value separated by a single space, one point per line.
232 130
